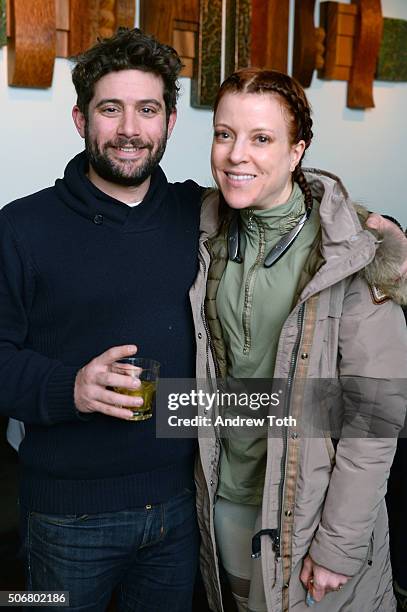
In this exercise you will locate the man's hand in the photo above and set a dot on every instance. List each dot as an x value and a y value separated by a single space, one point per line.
319 581
91 393
382 225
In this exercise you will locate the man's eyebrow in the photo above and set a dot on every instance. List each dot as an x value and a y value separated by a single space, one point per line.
120 102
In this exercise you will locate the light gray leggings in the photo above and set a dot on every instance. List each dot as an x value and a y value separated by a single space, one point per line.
235 525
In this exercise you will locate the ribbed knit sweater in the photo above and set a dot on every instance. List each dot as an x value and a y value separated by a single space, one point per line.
81 272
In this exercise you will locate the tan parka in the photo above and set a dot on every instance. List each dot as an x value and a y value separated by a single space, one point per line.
330 501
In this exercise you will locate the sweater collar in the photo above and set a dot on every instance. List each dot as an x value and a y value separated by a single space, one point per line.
81 195
278 220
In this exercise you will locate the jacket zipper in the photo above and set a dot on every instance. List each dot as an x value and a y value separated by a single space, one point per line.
293 363
209 344
249 285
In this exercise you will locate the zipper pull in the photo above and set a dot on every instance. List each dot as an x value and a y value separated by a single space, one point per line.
256 542
250 222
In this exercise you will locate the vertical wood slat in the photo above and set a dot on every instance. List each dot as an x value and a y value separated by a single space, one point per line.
3 23
305 42
207 71
173 23
125 13
158 17
31 49
365 54
339 22
62 26
84 24
269 34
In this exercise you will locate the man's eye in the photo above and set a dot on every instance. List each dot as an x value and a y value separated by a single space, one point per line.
110 110
146 110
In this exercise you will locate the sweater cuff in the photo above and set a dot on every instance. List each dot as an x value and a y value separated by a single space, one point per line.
59 403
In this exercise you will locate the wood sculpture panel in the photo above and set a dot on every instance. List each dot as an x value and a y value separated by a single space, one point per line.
3 32
31 47
392 62
339 21
269 34
174 23
365 53
207 70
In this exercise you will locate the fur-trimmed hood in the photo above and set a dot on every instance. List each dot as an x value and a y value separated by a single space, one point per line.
384 271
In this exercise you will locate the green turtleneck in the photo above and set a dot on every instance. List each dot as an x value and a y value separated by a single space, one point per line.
253 303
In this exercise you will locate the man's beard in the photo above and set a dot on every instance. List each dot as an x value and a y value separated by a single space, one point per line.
124 172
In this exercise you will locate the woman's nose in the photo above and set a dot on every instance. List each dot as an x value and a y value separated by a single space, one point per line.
238 152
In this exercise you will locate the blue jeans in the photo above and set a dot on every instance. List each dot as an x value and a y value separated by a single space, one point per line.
149 555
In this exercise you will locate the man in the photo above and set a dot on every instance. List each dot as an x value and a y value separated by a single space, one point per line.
102 260
88 267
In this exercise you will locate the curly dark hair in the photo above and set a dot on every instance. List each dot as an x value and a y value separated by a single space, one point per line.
127 49
293 99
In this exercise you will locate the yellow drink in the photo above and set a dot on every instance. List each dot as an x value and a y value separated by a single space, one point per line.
146 391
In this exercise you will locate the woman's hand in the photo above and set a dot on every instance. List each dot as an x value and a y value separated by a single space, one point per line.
319 581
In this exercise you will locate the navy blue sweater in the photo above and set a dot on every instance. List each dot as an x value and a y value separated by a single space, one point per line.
81 272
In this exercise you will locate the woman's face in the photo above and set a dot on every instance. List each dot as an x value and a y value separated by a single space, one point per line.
252 158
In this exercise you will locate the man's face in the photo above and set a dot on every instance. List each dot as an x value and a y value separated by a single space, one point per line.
126 129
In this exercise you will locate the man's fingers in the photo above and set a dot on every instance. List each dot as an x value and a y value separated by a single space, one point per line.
111 379
115 353
113 411
119 399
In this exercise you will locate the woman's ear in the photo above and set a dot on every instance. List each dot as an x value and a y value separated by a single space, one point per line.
297 152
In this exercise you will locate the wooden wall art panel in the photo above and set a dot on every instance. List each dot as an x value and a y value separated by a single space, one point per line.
308 42
392 62
174 23
339 21
237 35
96 18
62 25
365 53
31 47
3 23
269 34
207 69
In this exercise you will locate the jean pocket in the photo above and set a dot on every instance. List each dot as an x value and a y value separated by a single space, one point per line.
57 519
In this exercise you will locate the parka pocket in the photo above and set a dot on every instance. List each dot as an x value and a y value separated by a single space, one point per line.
331 449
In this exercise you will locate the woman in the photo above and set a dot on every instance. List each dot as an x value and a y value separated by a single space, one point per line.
291 294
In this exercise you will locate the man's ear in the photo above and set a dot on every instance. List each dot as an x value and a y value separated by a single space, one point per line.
171 122
79 120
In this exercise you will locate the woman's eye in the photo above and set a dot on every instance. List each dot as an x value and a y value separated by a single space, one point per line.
262 139
221 135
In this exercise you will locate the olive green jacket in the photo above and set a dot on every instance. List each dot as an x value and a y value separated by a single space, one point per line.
321 500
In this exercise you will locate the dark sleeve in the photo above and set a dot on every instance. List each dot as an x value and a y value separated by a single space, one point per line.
34 388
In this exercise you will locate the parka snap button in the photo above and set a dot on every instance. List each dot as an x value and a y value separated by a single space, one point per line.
288 513
286 585
211 483
98 219
294 435
199 335
304 355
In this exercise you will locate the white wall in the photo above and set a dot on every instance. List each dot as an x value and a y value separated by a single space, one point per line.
365 148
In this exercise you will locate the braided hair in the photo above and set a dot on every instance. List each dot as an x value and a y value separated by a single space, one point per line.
294 102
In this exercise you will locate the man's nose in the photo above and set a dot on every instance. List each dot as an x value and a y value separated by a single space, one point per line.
129 125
